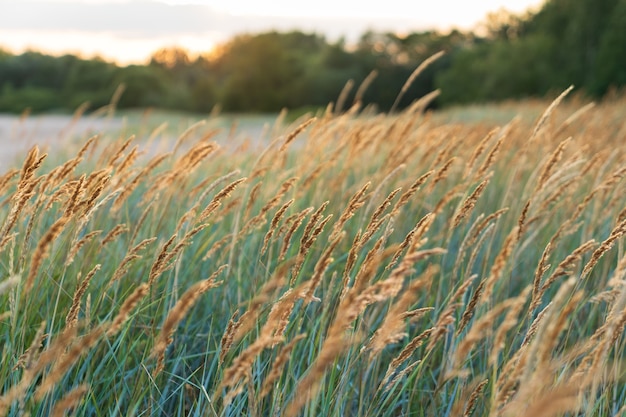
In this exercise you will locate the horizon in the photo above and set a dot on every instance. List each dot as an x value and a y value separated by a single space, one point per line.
110 29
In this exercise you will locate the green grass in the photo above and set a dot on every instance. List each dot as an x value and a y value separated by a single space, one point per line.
332 160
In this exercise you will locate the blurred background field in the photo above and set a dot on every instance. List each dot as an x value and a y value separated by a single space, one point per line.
19 132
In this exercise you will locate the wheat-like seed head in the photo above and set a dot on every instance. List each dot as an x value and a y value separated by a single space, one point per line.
392 328
274 224
295 133
499 264
546 114
69 400
67 360
72 316
277 366
42 251
468 205
176 314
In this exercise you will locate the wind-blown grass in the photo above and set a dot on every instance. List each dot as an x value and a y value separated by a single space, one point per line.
360 264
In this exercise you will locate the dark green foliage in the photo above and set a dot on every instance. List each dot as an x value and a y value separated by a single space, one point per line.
499 70
579 42
611 59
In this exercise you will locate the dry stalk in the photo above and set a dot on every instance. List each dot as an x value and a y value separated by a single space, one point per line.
471 307
407 370
72 316
406 196
542 267
78 245
481 329
114 233
510 320
277 366
441 174
27 358
343 96
499 264
274 224
446 318
159 265
425 64
247 320
42 251
295 133
408 350
565 267
478 152
468 205
73 200
298 219
240 368
358 97
130 256
254 195
521 222
120 151
356 202
228 336
127 307
616 233
69 400
216 202
546 114
392 328
466 403
9 283
67 360
259 219
548 168
490 158
320 268
381 208
175 316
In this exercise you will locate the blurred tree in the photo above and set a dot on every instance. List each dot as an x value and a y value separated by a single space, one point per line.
499 70
260 72
145 86
611 59
170 58
503 25
88 80
580 42
577 28
33 69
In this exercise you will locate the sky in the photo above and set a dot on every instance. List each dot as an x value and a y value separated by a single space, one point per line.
129 31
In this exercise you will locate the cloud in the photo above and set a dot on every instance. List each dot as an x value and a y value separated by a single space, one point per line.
130 30
144 19
137 18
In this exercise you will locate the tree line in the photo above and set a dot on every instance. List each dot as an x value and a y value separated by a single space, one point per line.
580 42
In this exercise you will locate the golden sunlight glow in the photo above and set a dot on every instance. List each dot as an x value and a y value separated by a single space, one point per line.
105 45
95 29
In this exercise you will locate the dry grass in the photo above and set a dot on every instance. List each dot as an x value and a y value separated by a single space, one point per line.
369 264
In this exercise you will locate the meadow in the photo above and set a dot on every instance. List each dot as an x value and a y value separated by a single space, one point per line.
350 263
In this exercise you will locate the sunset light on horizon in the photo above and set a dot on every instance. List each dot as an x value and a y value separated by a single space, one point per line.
129 31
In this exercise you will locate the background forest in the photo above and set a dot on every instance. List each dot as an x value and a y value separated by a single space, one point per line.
580 42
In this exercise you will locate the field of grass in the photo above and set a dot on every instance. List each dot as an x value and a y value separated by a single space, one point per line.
352 264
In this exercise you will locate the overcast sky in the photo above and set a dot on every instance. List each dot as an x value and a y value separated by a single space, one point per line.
130 30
